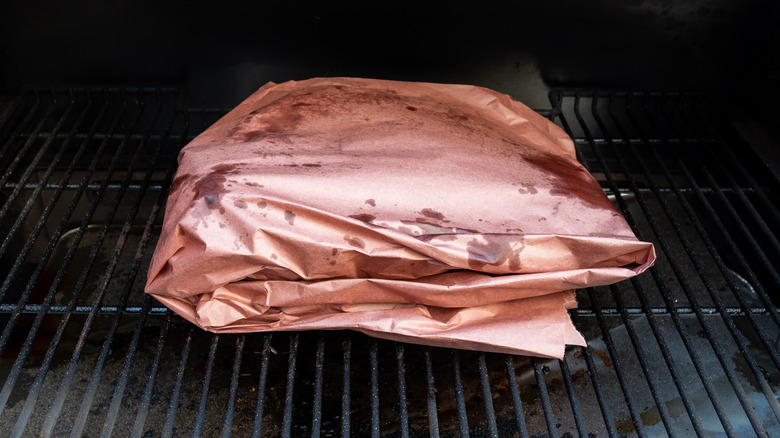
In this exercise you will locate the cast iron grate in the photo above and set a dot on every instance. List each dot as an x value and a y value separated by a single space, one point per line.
690 347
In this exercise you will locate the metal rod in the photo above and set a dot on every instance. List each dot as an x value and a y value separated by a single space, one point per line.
227 423
460 403
143 410
668 357
372 349
575 404
319 361
261 385
517 403
200 417
288 396
66 217
606 413
686 288
616 365
21 152
31 201
403 413
62 392
39 318
173 405
433 417
544 397
37 158
346 395
116 399
487 395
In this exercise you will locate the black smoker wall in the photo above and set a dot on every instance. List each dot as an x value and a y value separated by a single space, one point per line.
218 50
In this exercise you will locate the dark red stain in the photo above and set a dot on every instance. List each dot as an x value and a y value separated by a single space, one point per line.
222 225
332 263
433 214
178 181
570 180
577 374
365 217
290 165
273 256
354 241
254 184
371 202
604 357
239 204
289 217
509 230
334 251
262 204
411 108
311 165
212 186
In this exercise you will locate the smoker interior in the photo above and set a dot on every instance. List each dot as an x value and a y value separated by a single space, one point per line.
87 154
689 347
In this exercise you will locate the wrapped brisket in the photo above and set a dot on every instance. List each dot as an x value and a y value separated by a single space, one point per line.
447 215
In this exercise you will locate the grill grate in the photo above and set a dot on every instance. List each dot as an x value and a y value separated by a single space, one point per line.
690 347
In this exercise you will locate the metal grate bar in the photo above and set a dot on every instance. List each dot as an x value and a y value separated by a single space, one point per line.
606 413
316 417
116 399
37 158
39 318
463 421
9 110
433 417
227 423
616 364
549 417
288 399
517 403
575 404
98 370
37 384
772 310
346 394
667 298
374 369
668 357
21 152
261 385
646 369
60 398
688 293
403 413
754 186
45 177
143 410
487 395
197 430
713 294
170 416
63 223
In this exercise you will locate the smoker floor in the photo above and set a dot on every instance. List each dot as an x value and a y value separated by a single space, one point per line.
688 348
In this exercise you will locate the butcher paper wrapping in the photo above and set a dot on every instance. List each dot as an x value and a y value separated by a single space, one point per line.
446 215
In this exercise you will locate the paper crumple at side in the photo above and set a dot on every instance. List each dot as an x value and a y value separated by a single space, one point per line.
445 215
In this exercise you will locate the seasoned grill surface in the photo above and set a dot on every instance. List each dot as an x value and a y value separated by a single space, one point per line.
689 347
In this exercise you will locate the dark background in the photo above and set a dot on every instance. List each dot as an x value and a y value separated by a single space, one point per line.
221 51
